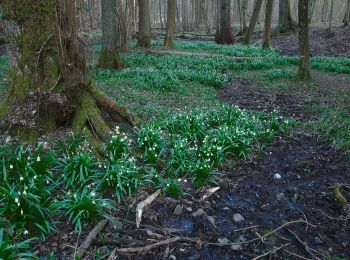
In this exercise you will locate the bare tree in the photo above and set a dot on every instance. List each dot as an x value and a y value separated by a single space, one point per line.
224 33
253 21
169 38
268 19
144 35
304 48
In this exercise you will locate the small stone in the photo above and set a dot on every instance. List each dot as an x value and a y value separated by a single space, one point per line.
172 257
198 213
280 196
189 209
8 139
238 218
223 241
178 210
277 176
236 247
211 220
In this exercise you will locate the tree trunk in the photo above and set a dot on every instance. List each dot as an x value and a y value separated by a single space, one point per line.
169 38
331 17
304 64
49 87
224 32
267 25
109 57
347 14
184 7
144 35
285 20
253 21
160 13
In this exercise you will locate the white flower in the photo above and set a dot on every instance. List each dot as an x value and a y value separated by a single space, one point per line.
16 200
21 211
38 159
21 178
24 193
35 177
26 232
93 194
11 167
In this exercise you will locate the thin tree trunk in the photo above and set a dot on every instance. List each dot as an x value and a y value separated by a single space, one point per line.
144 35
267 25
224 34
304 64
347 14
331 16
285 20
169 38
253 21
109 57
160 14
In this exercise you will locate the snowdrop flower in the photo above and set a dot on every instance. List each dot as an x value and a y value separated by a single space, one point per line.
21 178
11 167
16 200
24 193
47 182
26 232
35 177
38 159
21 211
93 194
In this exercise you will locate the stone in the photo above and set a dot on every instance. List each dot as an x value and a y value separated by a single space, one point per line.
198 213
280 196
236 247
178 210
238 218
277 176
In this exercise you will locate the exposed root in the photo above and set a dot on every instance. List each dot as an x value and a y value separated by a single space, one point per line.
339 196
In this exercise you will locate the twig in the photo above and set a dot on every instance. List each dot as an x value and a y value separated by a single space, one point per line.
304 244
143 204
294 254
270 252
88 240
151 246
112 255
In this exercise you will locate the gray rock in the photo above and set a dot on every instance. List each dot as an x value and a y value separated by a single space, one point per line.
280 196
238 218
236 247
178 210
198 213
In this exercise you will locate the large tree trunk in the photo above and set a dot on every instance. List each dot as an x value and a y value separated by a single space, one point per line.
109 57
169 38
268 19
346 19
144 35
285 20
224 33
304 64
184 8
253 21
49 87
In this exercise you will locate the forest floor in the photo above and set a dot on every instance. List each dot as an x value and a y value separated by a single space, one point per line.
279 202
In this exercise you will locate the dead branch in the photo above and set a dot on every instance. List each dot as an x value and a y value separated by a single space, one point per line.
304 244
89 239
133 250
270 252
143 204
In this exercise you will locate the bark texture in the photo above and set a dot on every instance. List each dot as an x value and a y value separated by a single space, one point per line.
169 37
144 35
268 19
109 57
49 87
285 20
224 32
253 21
304 63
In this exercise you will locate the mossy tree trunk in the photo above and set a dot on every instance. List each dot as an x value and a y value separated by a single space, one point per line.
255 16
109 57
267 25
224 32
304 47
144 35
49 87
169 38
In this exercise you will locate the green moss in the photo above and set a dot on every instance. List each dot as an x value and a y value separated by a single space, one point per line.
110 60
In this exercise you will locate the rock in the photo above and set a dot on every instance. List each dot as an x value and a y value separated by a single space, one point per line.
280 196
236 247
211 220
198 213
238 218
277 176
178 210
189 209
172 257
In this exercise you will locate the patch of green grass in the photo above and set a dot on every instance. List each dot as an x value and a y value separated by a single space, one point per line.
334 127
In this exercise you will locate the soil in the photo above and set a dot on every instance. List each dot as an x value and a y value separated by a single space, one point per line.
301 203
322 42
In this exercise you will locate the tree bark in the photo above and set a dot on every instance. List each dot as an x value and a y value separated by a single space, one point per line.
144 35
267 25
169 38
184 7
285 20
347 14
49 87
109 57
304 63
253 21
224 32
331 17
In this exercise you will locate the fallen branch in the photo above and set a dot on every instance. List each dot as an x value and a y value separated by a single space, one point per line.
112 255
304 244
88 240
209 192
133 250
270 252
143 204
